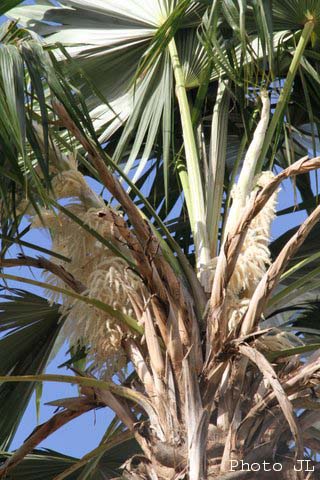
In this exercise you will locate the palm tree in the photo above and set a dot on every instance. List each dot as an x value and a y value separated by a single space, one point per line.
182 316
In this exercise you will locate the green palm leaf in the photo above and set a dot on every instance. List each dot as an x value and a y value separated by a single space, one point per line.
29 326
48 464
42 464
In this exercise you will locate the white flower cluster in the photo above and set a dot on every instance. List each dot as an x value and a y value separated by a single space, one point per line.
254 257
106 276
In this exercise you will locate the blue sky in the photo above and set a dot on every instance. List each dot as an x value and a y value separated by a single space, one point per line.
84 433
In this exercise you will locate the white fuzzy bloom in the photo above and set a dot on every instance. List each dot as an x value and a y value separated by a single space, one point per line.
48 219
106 276
254 257
236 308
69 183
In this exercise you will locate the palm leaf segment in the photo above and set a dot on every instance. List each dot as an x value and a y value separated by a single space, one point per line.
30 327
120 36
